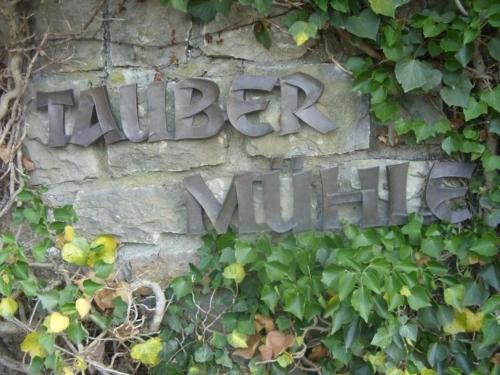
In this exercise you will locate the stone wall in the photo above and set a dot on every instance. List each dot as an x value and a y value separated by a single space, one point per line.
134 190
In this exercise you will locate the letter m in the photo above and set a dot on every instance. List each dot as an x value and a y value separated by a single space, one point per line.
200 198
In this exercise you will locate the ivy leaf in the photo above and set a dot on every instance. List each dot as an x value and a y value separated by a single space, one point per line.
237 340
384 7
454 296
32 346
361 301
182 286
475 109
262 34
457 91
270 297
322 4
203 354
346 283
56 322
492 98
413 74
180 4
494 47
365 25
382 338
147 352
486 245
436 354
77 332
8 307
432 246
418 298
244 252
295 304
490 162
464 54
234 272
303 31
91 287
263 6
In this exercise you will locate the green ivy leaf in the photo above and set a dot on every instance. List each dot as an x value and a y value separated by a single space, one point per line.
418 298
262 34
362 303
454 296
475 109
432 246
365 25
492 98
384 7
457 91
486 245
490 162
203 354
244 252
413 74
494 47
270 297
382 338
295 303
76 332
91 287
182 286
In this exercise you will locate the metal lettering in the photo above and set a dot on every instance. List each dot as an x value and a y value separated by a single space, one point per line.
159 128
86 133
397 175
438 195
307 112
129 115
302 204
272 203
245 195
201 198
55 102
185 110
368 196
238 107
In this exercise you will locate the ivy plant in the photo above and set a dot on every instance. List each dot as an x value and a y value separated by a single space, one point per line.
416 299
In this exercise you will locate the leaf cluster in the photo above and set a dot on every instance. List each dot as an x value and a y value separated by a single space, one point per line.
416 299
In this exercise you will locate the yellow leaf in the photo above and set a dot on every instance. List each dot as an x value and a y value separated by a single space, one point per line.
69 233
71 253
56 322
82 307
285 360
405 291
80 364
68 371
427 371
237 339
107 253
6 278
147 352
8 307
473 321
301 38
31 345
377 359
465 321
235 272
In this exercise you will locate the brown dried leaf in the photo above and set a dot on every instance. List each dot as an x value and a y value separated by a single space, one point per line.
5 154
317 353
248 353
28 165
266 353
264 322
104 297
279 342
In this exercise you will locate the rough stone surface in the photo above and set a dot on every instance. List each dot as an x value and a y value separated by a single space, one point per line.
224 37
133 213
127 158
348 111
68 16
147 34
160 262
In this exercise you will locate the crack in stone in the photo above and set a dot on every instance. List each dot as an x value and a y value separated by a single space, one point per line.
106 34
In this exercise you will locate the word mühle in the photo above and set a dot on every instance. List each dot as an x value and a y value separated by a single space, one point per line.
193 96
240 198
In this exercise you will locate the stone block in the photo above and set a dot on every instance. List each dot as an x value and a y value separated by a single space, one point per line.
347 109
161 262
134 213
127 158
69 17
